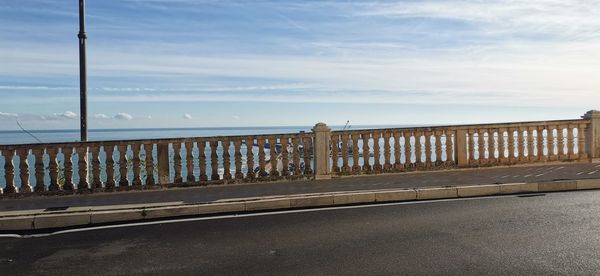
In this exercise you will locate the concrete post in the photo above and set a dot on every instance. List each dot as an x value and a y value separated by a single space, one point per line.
461 148
592 135
322 151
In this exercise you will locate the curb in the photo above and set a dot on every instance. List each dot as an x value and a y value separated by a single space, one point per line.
38 219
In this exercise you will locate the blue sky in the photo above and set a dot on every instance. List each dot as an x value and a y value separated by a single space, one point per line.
206 63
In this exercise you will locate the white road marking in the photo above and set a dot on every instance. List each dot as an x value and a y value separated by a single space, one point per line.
93 228
528 175
559 168
505 176
538 175
597 166
580 173
593 172
516 176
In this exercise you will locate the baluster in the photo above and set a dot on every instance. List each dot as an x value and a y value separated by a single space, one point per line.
261 158
110 167
123 162
551 144
407 148
137 169
214 164
53 169
273 156
96 181
521 145
40 186
190 178
418 149
581 134
438 147
540 143
472 145
493 139
345 157
335 143
202 160
237 144
284 156
82 164
448 142
178 178
387 154
24 171
366 152
502 158
250 157
428 148
356 168
561 142
376 153
307 147
481 148
530 144
397 153
9 171
296 155
148 147
68 170
511 146
226 160
570 142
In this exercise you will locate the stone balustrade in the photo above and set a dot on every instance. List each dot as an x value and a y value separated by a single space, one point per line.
104 166
427 148
65 168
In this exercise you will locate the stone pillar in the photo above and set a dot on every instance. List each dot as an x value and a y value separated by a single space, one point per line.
164 173
593 134
322 151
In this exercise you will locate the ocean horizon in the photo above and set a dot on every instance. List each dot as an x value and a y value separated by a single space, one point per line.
8 137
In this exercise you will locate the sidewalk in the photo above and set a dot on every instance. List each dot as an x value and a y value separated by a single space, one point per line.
285 188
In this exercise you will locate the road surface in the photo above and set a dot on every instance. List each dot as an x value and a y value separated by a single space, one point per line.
555 233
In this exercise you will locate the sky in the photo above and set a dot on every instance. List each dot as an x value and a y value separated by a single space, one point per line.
210 63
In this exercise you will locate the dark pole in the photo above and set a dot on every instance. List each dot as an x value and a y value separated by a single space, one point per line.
82 72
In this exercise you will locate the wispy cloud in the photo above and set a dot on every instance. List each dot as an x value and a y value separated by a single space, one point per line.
187 116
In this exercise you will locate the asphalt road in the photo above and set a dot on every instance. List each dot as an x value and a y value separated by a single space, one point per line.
556 233
371 182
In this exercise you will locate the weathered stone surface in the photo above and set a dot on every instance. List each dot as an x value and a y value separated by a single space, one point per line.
557 186
354 198
268 204
435 193
310 201
588 184
61 220
398 195
515 188
477 190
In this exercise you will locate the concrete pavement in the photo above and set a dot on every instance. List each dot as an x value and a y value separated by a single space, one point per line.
368 182
545 234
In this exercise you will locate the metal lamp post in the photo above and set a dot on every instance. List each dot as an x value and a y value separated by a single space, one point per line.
82 72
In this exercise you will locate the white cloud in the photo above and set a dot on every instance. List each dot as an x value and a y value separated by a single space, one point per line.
67 115
123 116
235 117
4 115
101 116
149 117
187 116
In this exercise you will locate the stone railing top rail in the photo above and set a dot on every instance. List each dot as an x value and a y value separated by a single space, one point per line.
154 141
472 126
